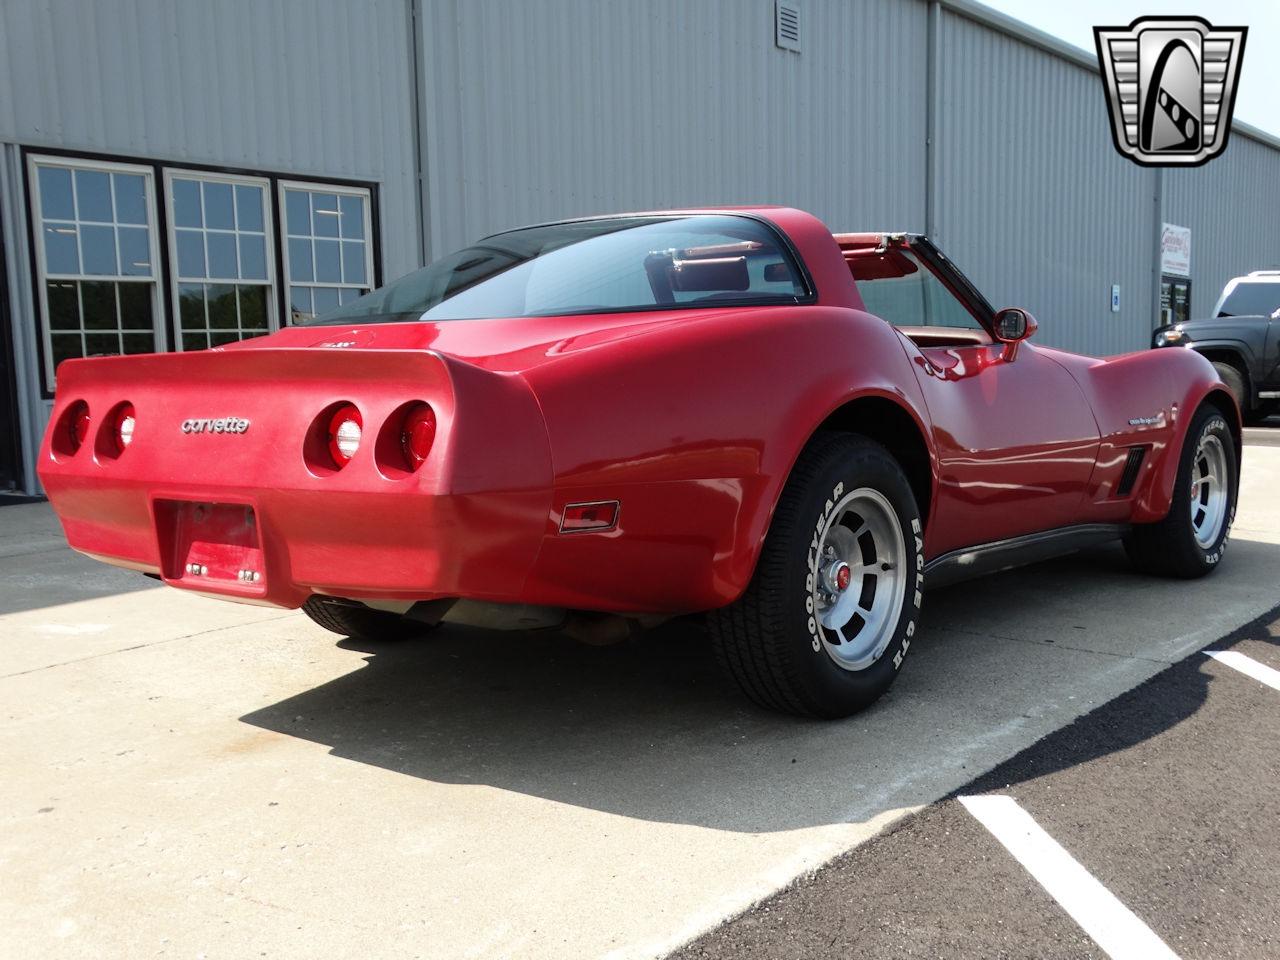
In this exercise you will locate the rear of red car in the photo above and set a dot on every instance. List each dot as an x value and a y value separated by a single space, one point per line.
267 474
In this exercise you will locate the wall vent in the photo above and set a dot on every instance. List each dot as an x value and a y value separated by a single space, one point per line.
786 25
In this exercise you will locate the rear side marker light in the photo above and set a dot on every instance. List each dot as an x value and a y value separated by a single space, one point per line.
417 434
587 517
345 429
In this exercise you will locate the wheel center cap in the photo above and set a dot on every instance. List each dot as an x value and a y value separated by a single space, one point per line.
837 576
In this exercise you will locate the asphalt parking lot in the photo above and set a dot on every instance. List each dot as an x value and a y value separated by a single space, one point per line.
182 777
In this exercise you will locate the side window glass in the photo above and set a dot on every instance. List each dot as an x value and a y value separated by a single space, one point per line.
897 287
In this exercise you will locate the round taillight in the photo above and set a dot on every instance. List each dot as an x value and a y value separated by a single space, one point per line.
345 427
418 434
125 420
79 423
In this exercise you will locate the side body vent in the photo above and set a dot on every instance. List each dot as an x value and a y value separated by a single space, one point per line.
786 24
1129 476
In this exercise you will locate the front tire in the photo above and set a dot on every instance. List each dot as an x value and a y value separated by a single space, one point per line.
1191 540
826 622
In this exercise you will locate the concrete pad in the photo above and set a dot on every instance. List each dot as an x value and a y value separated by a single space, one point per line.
200 777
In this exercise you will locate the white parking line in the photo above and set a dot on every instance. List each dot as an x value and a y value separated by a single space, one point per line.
1238 661
1112 925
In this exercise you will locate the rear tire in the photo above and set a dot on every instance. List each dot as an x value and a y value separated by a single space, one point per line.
361 622
798 642
1191 540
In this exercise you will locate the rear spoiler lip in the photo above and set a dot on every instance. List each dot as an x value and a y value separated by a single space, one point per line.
249 364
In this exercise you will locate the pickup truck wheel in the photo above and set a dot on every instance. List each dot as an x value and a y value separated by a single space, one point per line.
1191 540
1234 380
827 619
361 622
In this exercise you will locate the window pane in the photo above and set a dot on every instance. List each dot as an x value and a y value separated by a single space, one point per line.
347 295
353 262
326 299
222 306
222 339
222 255
98 298
64 305
300 259
190 253
60 253
135 252
93 195
66 346
352 217
55 193
248 207
191 306
98 247
253 257
135 306
195 341
253 308
325 208
100 343
328 266
186 203
139 343
131 203
218 213
300 303
297 208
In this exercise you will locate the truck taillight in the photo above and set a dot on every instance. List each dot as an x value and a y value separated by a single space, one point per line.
125 420
345 428
418 434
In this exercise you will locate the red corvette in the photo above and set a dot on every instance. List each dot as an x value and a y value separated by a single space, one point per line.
608 421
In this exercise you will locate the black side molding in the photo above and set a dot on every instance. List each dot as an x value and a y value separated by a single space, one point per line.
1000 555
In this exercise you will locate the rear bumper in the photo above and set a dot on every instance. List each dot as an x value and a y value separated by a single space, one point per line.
356 544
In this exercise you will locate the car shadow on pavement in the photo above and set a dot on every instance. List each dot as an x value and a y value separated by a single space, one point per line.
648 729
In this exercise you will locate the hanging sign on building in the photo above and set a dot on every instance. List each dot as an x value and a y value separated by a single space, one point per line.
1175 250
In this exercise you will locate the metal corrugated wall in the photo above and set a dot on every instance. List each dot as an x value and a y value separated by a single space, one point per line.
1034 202
1232 206
291 86
564 107
515 112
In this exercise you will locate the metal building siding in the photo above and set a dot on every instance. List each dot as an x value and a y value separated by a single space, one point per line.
311 87
1232 206
1034 202
565 107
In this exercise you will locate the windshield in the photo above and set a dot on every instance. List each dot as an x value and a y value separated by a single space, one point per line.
593 266
1253 299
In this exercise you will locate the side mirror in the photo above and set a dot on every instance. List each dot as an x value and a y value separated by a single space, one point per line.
1013 324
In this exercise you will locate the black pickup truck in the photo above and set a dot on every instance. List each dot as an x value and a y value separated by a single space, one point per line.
1242 339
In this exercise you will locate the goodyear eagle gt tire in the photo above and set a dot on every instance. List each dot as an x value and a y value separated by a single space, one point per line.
1191 540
825 624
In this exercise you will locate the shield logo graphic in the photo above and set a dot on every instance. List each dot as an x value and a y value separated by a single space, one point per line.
1171 87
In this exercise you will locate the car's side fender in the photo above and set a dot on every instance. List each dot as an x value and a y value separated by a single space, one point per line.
694 428
1191 382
